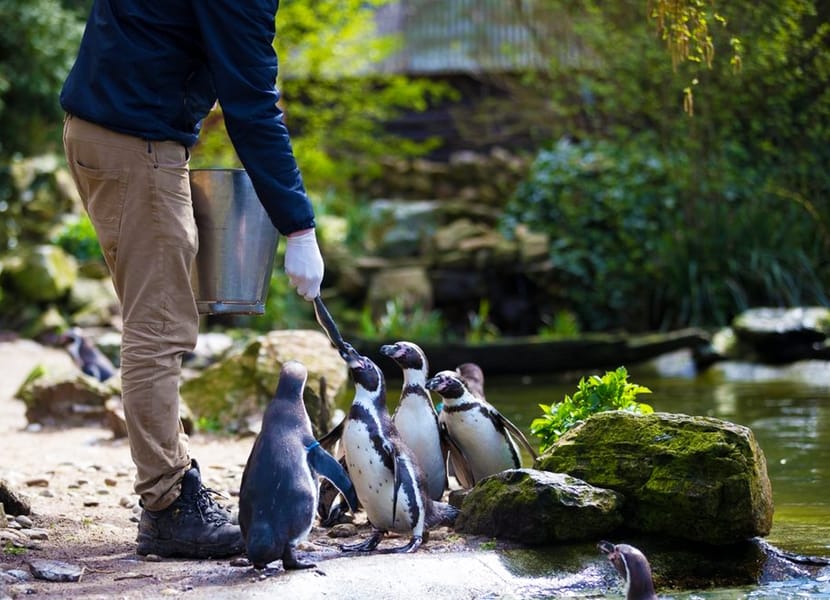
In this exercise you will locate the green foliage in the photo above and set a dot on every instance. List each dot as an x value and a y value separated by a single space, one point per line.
38 41
564 324
78 238
400 322
481 329
644 238
9 549
595 394
334 106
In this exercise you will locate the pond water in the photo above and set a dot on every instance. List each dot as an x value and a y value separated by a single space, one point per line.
791 421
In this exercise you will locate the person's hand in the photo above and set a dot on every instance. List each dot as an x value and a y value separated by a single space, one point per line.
303 263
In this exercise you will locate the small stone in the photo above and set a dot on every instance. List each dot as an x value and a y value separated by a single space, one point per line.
240 561
110 482
90 502
13 525
47 493
37 482
343 530
127 501
55 570
37 534
102 492
24 521
152 558
83 481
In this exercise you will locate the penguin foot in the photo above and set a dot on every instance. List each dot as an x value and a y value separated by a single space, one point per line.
366 546
290 561
412 546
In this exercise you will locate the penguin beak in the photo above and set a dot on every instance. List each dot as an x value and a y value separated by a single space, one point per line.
389 350
352 357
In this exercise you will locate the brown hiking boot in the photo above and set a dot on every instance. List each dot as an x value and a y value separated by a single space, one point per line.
194 526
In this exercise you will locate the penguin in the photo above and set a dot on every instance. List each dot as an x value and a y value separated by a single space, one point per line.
279 491
89 358
484 435
390 484
633 567
473 376
416 418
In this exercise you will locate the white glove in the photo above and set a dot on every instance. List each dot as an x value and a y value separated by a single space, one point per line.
304 264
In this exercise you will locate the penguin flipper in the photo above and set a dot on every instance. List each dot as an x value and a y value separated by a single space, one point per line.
500 421
324 464
463 472
332 437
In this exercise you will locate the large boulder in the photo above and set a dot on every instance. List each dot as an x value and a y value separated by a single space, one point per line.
41 273
538 508
231 394
697 478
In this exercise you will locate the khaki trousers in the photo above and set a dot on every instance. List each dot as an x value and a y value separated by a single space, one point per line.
137 194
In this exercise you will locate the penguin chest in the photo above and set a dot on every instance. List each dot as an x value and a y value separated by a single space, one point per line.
486 449
418 429
373 476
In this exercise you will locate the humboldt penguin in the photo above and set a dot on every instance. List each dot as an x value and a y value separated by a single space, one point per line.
484 435
473 376
86 355
415 417
279 491
389 482
633 567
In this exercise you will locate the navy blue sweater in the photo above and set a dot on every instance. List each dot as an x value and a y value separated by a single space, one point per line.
154 68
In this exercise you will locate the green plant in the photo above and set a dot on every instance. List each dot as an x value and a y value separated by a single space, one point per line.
77 236
564 324
12 550
481 329
401 322
594 394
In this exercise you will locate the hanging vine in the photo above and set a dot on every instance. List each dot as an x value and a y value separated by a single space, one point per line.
684 25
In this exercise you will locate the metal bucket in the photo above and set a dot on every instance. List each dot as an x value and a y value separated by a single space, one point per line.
237 243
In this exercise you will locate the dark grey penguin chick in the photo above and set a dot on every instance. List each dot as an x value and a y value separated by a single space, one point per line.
389 482
484 435
279 492
87 356
416 418
633 567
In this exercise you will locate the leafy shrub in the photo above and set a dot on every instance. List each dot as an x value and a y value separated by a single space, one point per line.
643 238
78 238
595 394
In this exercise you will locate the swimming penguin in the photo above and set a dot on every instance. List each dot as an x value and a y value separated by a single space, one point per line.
389 482
485 436
88 357
415 416
279 491
633 567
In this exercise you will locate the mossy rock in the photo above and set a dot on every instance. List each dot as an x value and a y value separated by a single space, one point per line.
231 394
41 273
536 508
697 478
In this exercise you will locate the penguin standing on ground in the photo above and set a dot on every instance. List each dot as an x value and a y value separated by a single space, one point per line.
483 434
87 356
415 417
633 567
389 482
279 492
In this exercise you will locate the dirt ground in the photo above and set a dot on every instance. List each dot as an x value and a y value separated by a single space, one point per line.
79 482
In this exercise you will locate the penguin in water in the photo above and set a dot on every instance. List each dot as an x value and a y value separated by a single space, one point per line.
88 357
484 435
633 567
387 477
279 491
416 418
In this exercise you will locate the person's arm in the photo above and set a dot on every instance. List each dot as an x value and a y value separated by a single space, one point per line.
238 40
